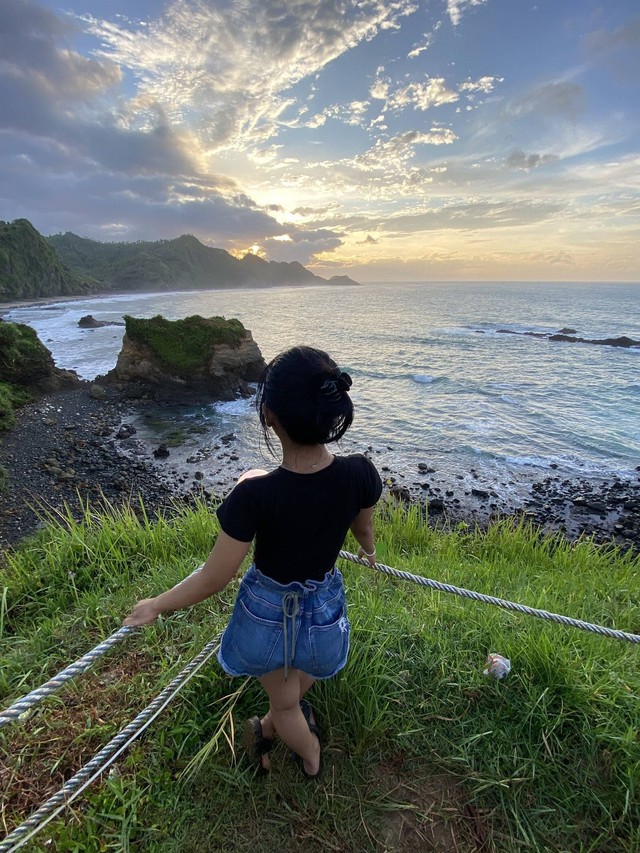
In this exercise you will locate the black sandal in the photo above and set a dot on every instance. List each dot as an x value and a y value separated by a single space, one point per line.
306 709
255 743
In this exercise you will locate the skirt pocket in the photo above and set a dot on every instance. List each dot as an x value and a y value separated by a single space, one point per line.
329 645
252 640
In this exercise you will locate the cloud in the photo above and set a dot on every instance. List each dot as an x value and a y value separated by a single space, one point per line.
617 50
312 211
303 246
606 41
483 84
392 154
432 92
225 68
455 8
369 241
145 206
469 216
353 114
558 99
517 159
419 48
422 96
50 91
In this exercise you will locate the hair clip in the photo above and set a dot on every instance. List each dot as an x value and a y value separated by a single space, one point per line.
334 388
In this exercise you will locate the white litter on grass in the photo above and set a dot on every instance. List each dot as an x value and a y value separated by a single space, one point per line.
497 666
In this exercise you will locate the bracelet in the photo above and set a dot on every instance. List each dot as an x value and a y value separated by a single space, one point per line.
372 554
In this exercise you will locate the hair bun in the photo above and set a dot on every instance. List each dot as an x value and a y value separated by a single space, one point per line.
335 385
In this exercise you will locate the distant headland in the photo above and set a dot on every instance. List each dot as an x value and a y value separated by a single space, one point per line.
33 266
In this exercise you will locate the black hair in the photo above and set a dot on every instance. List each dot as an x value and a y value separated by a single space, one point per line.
308 393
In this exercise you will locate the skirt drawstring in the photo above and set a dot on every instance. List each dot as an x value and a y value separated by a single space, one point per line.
290 609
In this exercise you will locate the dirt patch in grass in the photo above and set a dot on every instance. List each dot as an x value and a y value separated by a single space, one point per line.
427 810
40 754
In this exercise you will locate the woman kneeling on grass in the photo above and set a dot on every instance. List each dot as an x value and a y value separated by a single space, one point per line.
289 625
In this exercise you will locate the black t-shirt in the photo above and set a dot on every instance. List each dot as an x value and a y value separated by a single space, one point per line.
300 520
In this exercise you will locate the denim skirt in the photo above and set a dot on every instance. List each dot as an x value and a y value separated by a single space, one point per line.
278 626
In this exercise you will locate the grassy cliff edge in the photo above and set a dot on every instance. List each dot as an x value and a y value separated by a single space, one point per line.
418 743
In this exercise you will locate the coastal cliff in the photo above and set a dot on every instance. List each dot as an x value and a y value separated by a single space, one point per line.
195 359
30 267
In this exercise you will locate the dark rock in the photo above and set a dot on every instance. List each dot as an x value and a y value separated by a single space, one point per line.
126 431
161 452
566 332
400 493
97 392
479 493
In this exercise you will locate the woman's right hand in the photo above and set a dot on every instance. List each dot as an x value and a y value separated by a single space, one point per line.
143 613
364 556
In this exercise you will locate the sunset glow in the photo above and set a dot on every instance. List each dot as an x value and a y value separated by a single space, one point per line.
387 139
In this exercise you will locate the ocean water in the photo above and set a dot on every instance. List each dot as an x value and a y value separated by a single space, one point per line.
434 379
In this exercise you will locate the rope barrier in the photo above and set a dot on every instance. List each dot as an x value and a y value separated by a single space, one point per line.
103 759
498 602
20 706
24 704
107 755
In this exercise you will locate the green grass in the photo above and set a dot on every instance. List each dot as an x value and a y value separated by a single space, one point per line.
183 345
421 750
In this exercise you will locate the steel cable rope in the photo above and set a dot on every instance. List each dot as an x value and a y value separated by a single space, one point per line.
141 720
107 755
498 602
25 703
30 700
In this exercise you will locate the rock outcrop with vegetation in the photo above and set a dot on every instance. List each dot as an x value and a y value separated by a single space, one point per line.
30 266
26 370
183 263
196 358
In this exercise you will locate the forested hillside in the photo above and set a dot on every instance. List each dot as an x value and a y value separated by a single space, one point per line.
184 262
30 266
34 266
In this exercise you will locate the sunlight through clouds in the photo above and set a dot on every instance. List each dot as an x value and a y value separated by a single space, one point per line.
305 128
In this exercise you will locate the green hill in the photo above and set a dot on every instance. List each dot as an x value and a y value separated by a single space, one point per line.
182 263
30 266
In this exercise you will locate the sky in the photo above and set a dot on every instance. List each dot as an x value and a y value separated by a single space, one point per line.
388 140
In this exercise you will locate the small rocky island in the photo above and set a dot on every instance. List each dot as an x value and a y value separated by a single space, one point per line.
196 359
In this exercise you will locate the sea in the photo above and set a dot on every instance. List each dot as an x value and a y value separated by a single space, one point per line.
437 381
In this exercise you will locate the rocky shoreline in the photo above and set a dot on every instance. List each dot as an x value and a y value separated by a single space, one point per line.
82 443
63 449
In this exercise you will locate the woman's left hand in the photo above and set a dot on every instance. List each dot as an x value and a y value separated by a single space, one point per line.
143 613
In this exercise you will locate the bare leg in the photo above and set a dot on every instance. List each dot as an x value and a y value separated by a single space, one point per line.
287 718
306 681
268 729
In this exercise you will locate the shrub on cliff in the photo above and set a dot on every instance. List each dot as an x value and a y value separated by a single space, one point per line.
182 345
24 361
23 357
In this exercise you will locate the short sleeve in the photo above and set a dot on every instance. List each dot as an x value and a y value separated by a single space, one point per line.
237 514
371 484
